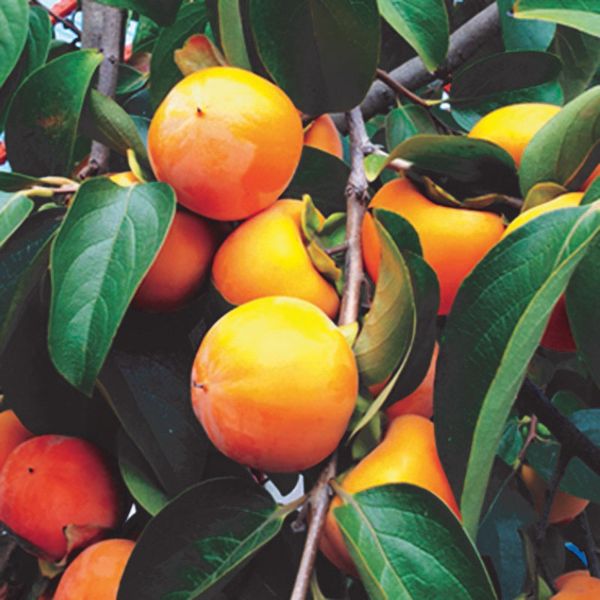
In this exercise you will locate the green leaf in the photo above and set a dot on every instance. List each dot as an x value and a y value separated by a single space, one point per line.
406 121
139 478
582 309
164 73
14 16
226 522
231 32
161 11
496 323
557 151
13 182
323 177
22 261
130 80
42 123
424 25
583 15
108 240
146 33
523 34
398 533
14 209
323 53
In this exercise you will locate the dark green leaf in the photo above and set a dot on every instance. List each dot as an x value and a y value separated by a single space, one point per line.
108 240
231 33
397 533
13 33
323 177
583 14
496 323
164 73
226 522
406 121
13 182
42 123
161 11
557 151
14 209
130 80
145 35
524 34
424 25
323 53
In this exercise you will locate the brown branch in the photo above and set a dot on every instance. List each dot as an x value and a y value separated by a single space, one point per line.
400 89
103 29
464 43
356 203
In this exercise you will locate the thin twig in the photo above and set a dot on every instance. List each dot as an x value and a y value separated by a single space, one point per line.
400 89
339 249
66 23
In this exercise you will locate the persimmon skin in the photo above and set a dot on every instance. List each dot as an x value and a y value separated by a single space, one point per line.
96 573
274 384
512 127
323 135
407 454
181 266
420 402
278 265
12 433
577 585
50 482
227 140
565 507
453 240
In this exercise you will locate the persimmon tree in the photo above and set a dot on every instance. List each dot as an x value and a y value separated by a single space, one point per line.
443 122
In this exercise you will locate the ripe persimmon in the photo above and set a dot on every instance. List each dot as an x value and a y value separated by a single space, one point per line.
512 127
274 384
454 240
53 488
407 454
12 433
227 140
279 265
96 573
323 134
577 585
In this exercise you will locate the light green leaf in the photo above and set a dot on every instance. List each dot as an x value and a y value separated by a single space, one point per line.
231 33
14 209
583 15
13 34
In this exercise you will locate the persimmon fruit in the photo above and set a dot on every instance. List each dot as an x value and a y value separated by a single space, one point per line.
12 433
96 573
54 487
227 140
323 135
274 384
577 585
407 454
453 240
279 265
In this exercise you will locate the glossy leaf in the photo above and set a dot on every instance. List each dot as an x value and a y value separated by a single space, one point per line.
226 522
231 33
42 123
398 533
130 80
108 240
14 209
13 34
583 14
523 34
558 149
13 182
161 11
336 49
496 323
164 73
424 25
404 122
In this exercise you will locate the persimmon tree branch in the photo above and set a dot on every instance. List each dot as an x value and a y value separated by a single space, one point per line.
356 204
103 29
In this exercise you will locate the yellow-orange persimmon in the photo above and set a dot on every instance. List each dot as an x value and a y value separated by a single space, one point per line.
12 433
557 335
323 134
227 140
577 585
53 488
266 256
274 384
407 454
565 506
454 240
420 402
96 573
512 127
